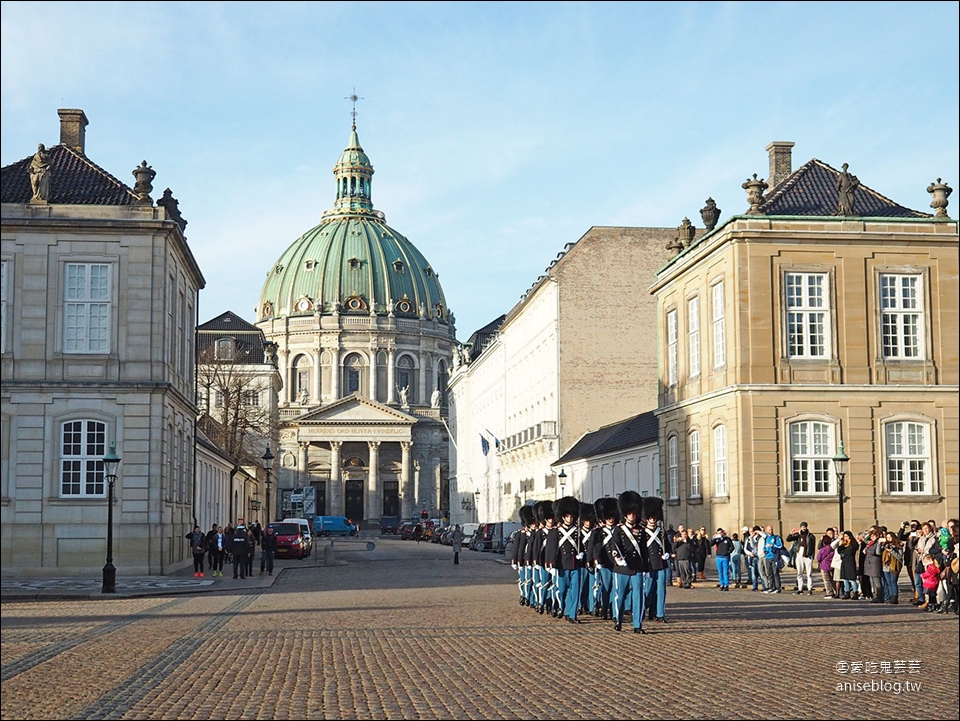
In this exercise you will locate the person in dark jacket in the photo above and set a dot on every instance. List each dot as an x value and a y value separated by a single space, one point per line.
657 549
588 577
629 562
805 552
701 551
873 563
608 516
565 548
268 550
846 547
682 549
198 545
724 547
211 550
238 547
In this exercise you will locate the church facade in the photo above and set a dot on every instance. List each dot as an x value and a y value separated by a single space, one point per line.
364 343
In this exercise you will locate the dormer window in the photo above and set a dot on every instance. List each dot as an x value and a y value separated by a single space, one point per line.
398 266
429 271
355 302
404 305
309 264
225 349
355 263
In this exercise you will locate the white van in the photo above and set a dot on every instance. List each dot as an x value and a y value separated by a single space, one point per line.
307 534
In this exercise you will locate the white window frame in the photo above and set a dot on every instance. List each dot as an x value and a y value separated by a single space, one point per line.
721 487
812 445
693 336
673 467
87 311
902 319
251 398
807 308
693 448
719 324
225 349
906 464
3 306
672 348
85 465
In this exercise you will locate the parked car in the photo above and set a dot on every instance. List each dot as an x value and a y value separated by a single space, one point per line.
493 536
468 530
289 539
307 534
406 531
511 543
334 526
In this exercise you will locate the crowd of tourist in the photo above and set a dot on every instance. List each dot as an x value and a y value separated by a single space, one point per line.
234 546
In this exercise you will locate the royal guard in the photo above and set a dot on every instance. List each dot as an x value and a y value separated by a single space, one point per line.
548 559
530 561
607 516
588 576
543 512
630 562
519 560
657 550
564 546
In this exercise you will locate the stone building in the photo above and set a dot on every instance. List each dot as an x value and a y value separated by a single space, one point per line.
365 341
823 318
577 353
99 297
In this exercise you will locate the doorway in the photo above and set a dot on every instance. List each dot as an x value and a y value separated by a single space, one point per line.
391 498
353 501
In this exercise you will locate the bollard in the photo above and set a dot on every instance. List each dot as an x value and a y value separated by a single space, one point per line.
328 557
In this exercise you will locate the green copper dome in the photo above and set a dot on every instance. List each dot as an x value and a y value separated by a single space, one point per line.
352 262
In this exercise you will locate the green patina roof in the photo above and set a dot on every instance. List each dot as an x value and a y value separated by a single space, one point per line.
352 253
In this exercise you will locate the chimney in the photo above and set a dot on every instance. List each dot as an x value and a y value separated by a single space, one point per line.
73 125
781 162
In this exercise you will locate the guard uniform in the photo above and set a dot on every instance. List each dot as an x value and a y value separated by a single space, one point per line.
588 578
520 551
657 551
608 517
630 562
564 546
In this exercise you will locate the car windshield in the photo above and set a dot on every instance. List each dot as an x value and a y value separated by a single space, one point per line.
286 529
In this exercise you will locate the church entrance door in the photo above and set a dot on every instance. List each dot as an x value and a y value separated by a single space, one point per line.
353 501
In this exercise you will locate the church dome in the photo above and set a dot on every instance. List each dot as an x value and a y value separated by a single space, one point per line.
352 262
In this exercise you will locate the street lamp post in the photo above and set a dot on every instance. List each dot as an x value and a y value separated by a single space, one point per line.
563 482
267 457
840 468
110 463
476 506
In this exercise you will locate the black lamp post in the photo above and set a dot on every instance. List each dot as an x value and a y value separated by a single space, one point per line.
476 506
563 482
267 457
110 463
840 468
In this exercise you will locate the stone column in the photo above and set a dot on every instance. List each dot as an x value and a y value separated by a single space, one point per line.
374 499
336 490
436 484
315 393
334 374
304 479
283 362
407 492
391 383
424 395
373 374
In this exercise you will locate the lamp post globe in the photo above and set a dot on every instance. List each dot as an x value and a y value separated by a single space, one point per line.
267 459
110 463
563 482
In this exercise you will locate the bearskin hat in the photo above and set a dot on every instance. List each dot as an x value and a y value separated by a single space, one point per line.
566 506
543 510
606 508
526 516
653 508
588 513
630 502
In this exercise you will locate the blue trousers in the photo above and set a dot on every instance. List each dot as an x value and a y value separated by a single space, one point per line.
655 591
627 588
723 570
605 581
568 591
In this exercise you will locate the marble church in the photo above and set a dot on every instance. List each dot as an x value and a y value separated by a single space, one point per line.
365 342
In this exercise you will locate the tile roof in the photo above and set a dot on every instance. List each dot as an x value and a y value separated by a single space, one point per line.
635 431
249 339
812 190
74 180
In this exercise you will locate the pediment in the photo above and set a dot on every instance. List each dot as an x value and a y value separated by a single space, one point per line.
356 409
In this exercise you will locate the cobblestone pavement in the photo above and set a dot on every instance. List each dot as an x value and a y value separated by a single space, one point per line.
402 633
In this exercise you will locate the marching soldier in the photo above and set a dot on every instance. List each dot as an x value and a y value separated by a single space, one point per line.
548 559
629 562
519 560
608 517
657 548
564 547
588 576
541 578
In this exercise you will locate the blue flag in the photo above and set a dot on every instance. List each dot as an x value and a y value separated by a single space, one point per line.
496 441
484 445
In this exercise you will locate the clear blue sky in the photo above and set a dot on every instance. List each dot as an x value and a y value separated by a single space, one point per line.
499 131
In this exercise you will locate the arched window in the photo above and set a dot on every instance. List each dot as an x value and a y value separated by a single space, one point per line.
225 349
83 444
442 378
907 450
353 372
811 454
300 378
406 377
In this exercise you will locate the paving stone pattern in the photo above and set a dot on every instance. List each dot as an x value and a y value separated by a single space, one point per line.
402 633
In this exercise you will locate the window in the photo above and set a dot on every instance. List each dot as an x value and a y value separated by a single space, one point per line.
693 442
218 399
83 445
353 380
901 317
811 457
908 457
672 348
86 312
3 306
720 461
251 398
807 307
693 336
405 375
719 329
225 349
673 467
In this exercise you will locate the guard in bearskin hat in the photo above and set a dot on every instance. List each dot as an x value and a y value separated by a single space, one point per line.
657 551
588 577
519 560
564 547
607 516
630 562
543 573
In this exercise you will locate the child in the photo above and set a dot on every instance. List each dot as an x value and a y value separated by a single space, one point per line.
931 579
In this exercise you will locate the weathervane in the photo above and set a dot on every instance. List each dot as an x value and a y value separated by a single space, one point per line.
353 113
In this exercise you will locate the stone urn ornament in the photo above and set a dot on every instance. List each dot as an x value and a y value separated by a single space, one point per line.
940 192
710 214
144 185
755 188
